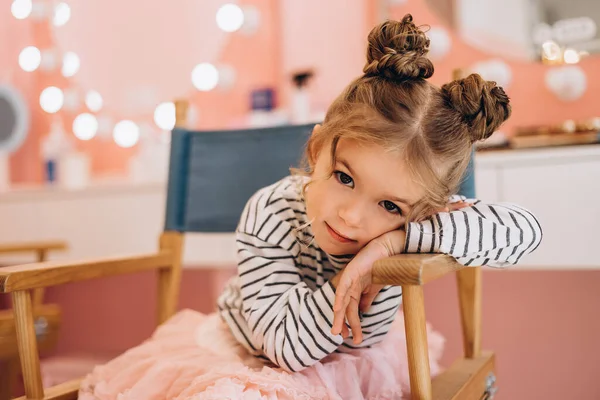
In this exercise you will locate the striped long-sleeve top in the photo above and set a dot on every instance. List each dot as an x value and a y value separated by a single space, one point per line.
280 304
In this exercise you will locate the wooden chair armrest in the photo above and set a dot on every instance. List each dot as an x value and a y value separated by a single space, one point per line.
413 269
24 247
65 391
52 273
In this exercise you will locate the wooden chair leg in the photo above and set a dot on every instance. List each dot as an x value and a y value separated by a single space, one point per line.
27 343
169 279
469 295
416 342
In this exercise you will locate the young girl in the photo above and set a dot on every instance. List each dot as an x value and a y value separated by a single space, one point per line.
381 178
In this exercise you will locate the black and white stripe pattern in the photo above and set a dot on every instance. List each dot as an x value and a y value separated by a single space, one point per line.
496 235
280 304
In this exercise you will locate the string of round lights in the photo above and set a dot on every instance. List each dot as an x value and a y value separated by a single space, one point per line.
205 76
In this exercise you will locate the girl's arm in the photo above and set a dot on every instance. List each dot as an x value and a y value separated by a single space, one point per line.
497 235
287 320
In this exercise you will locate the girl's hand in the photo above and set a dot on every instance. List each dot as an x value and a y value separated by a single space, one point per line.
355 280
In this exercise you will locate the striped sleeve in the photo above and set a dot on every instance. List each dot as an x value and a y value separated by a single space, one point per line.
287 320
496 235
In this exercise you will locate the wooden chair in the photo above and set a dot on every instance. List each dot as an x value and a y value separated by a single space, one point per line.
220 170
47 317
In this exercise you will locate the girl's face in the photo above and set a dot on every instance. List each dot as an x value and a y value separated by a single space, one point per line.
369 194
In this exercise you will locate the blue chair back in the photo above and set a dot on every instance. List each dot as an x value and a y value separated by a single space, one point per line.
467 187
212 174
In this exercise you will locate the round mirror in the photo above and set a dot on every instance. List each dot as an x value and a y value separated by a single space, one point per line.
14 119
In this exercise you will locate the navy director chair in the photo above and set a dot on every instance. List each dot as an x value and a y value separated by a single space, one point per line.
211 176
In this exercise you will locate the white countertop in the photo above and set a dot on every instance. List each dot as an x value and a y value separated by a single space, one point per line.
514 157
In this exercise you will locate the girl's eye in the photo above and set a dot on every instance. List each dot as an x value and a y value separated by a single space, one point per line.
344 179
391 207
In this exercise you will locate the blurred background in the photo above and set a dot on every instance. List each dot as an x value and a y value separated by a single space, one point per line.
86 109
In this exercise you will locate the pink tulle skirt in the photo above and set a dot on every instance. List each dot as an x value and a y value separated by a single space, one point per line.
194 356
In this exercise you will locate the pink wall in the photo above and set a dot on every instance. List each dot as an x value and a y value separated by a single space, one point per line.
541 325
327 37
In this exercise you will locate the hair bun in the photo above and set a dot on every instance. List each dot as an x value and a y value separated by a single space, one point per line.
483 105
397 50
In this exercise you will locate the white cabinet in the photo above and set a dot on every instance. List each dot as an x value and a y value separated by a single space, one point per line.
103 220
562 188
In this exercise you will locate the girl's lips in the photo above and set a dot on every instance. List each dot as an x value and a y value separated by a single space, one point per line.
337 236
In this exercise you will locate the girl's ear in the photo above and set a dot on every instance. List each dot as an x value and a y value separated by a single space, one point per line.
312 151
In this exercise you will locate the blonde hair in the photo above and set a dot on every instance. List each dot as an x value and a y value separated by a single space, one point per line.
393 105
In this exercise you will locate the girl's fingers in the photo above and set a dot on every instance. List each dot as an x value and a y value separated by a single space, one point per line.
354 321
342 298
367 298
